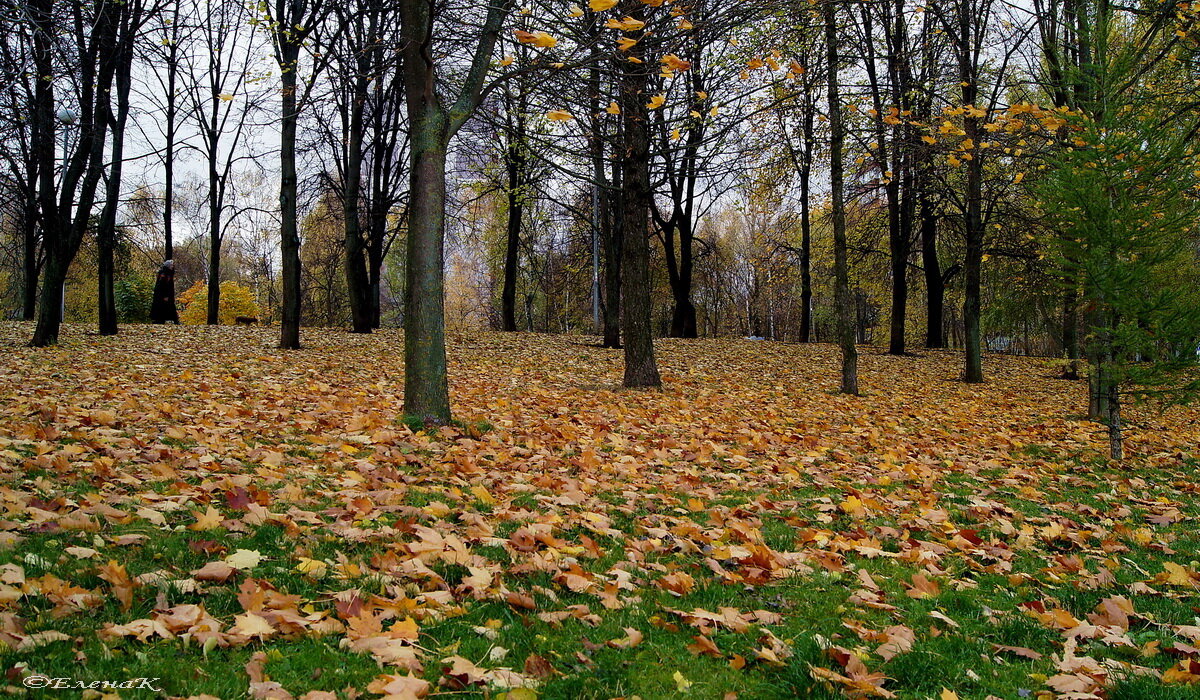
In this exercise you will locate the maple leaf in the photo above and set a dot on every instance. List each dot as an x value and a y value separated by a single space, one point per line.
626 24
396 687
210 519
539 39
922 587
250 625
244 559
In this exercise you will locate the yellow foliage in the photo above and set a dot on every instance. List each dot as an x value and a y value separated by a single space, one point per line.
236 300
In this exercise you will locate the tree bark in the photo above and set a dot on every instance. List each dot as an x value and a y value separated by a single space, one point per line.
31 268
846 313
1070 335
213 316
641 371
973 223
358 286
426 393
806 159
289 233
935 282
613 233
514 166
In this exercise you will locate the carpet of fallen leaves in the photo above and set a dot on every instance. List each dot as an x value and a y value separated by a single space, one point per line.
259 520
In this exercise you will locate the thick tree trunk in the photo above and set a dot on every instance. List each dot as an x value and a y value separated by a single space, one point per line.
289 232
426 394
935 282
846 313
53 223
683 314
358 281
49 318
641 371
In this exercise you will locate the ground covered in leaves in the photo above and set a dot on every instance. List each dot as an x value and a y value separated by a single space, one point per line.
195 505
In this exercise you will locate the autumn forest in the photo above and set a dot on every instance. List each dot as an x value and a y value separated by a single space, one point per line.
600 349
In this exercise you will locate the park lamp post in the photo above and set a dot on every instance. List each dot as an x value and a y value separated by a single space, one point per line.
67 117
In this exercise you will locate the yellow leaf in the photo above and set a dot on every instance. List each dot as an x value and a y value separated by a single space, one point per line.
627 24
244 559
208 520
312 567
554 115
675 63
251 625
602 5
656 101
539 39
613 108
681 683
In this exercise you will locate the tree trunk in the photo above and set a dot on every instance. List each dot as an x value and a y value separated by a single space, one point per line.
846 314
641 371
613 232
426 393
49 319
973 372
973 224
375 274
1115 446
806 292
358 286
214 234
898 247
29 258
514 161
935 282
289 233
1070 336
106 234
106 300
683 314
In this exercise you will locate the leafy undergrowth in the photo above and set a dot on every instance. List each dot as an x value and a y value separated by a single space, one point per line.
194 505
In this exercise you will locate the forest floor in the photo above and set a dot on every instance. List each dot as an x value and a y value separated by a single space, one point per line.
193 505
